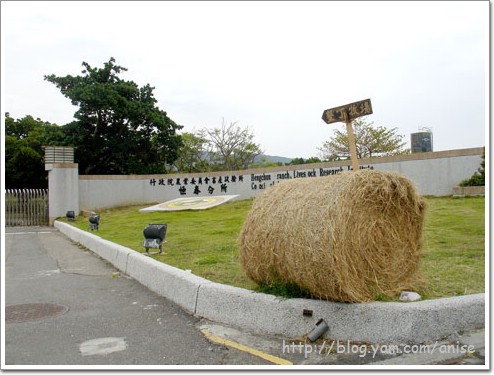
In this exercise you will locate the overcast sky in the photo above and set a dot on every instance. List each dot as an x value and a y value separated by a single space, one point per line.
272 66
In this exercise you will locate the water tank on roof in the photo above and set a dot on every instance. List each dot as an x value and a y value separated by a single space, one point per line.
421 142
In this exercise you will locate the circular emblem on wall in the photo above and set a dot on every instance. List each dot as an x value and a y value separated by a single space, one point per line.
192 203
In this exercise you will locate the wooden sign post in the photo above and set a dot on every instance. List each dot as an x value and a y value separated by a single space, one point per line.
347 113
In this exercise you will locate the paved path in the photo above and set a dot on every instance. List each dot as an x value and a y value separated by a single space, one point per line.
67 307
100 312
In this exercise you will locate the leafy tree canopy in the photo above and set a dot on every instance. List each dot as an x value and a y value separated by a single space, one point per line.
230 147
193 156
24 141
118 128
370 141
311 160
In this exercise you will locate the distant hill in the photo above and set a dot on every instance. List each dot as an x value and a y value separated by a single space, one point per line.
272 159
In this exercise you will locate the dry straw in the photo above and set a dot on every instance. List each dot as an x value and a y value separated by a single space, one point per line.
351 237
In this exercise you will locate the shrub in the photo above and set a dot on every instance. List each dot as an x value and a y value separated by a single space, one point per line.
478 178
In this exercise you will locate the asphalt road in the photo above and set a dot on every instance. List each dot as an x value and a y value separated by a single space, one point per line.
67 307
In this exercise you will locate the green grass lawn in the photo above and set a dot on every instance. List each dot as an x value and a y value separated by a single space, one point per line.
454 255
205 242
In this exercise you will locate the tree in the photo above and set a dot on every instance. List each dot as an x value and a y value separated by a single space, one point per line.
24 141
264 162
118 128
370 141
298 161
193 154
230 147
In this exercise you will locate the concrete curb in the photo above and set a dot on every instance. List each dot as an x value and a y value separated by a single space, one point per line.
375 322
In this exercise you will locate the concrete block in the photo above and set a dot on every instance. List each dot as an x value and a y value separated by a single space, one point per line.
256 312
99 246
172 283
121 256
66 229
376 322
462 191
403 323
443 317
112 252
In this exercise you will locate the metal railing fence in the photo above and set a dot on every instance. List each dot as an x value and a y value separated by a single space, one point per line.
26 207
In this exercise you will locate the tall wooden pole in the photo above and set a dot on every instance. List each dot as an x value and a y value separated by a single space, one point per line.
351 142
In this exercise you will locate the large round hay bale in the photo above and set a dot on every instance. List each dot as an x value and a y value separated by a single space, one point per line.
350 237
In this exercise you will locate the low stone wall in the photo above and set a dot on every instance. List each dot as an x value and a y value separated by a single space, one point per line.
466 191
434 173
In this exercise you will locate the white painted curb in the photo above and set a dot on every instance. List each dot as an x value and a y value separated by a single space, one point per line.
375 322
